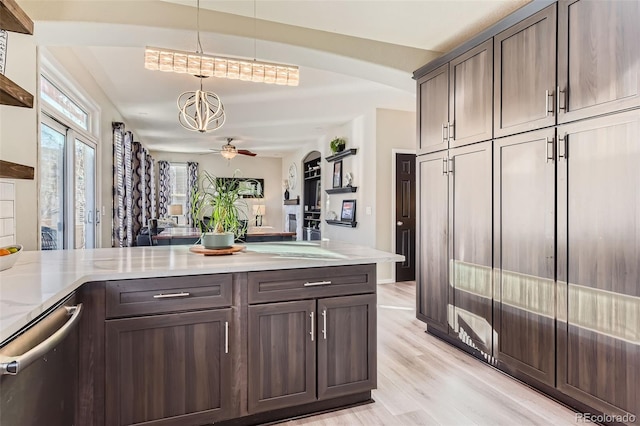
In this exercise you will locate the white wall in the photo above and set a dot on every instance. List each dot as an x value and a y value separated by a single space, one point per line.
394 130
267 168
19 135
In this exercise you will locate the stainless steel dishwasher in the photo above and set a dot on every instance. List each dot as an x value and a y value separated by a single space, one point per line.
39 370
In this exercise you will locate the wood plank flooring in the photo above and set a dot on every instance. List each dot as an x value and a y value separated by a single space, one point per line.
424 381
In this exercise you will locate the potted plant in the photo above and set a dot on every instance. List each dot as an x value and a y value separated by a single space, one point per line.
337 145
219 210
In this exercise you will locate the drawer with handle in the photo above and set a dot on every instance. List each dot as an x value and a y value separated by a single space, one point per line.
296 284
170 294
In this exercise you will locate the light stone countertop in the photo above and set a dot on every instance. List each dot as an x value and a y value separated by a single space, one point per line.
40 279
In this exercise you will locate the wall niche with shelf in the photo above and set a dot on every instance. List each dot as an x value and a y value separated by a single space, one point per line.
312 196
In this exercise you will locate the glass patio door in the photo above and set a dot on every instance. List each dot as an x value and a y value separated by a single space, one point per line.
85 213
68 213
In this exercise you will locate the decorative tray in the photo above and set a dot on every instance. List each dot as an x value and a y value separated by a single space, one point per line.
199 249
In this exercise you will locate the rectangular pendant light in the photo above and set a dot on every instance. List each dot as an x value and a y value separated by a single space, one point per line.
167 60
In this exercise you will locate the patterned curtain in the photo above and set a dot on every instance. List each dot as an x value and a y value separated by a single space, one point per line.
164 193
138 184
128 188
150 188
192 183
119 223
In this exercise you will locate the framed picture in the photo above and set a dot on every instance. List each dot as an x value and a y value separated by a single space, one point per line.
348 213
337 174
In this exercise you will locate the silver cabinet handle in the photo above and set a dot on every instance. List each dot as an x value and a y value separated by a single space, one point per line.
450 171
548 107
14 364
226 337
324 324
550 150
171 295
449 131
308 284
562 147
89 216
563 97
444 166
312 325
97 216
444 127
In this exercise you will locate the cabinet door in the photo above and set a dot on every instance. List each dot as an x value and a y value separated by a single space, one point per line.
470 249
346 345
525 74
598 57
524 248
169 369
432 289
282 355
598 267
471 96
433 104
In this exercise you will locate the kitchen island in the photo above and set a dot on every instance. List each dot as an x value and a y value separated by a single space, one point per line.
169 337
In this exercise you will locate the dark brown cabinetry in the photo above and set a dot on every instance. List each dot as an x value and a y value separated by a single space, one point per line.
285 337
282 355
525 74
565 282
598 268
524 253
172 369
454 292
432 290
471 96
433 104
598 57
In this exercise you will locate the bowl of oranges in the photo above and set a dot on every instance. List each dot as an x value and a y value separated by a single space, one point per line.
9 255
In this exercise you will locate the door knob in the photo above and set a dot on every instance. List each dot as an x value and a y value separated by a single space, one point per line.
399 223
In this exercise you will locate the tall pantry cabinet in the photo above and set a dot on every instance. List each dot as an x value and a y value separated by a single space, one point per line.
530 233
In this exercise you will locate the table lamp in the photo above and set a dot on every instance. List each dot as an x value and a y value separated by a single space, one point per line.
259 210
175 210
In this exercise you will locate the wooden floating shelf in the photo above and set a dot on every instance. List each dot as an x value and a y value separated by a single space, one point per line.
12 94
342 154
15 171
341 223
13 18
343 190
292 202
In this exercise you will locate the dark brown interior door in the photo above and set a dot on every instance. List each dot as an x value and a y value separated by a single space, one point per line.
406 216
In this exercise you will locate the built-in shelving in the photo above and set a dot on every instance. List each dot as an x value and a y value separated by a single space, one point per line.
312 197
15 171
13 18
343 190
340 155
341 223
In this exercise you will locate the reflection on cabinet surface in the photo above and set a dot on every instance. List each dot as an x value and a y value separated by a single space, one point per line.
434 110
171 369
525 74
455 243
598 268
471 96
470 253
524 248
598 57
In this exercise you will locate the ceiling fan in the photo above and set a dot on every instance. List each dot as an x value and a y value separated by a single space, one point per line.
229 151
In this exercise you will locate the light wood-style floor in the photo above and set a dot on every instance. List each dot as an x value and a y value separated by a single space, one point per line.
424 381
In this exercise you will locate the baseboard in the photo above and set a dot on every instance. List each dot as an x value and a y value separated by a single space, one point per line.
386 281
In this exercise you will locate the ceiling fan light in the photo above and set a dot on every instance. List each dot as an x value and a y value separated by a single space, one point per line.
228 151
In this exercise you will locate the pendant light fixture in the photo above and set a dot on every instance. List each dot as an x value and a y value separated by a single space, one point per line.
200 111
199 64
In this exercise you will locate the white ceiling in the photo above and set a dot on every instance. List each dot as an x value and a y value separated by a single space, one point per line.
271 120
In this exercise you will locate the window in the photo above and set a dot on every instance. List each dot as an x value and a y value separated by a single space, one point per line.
63 104
179 185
